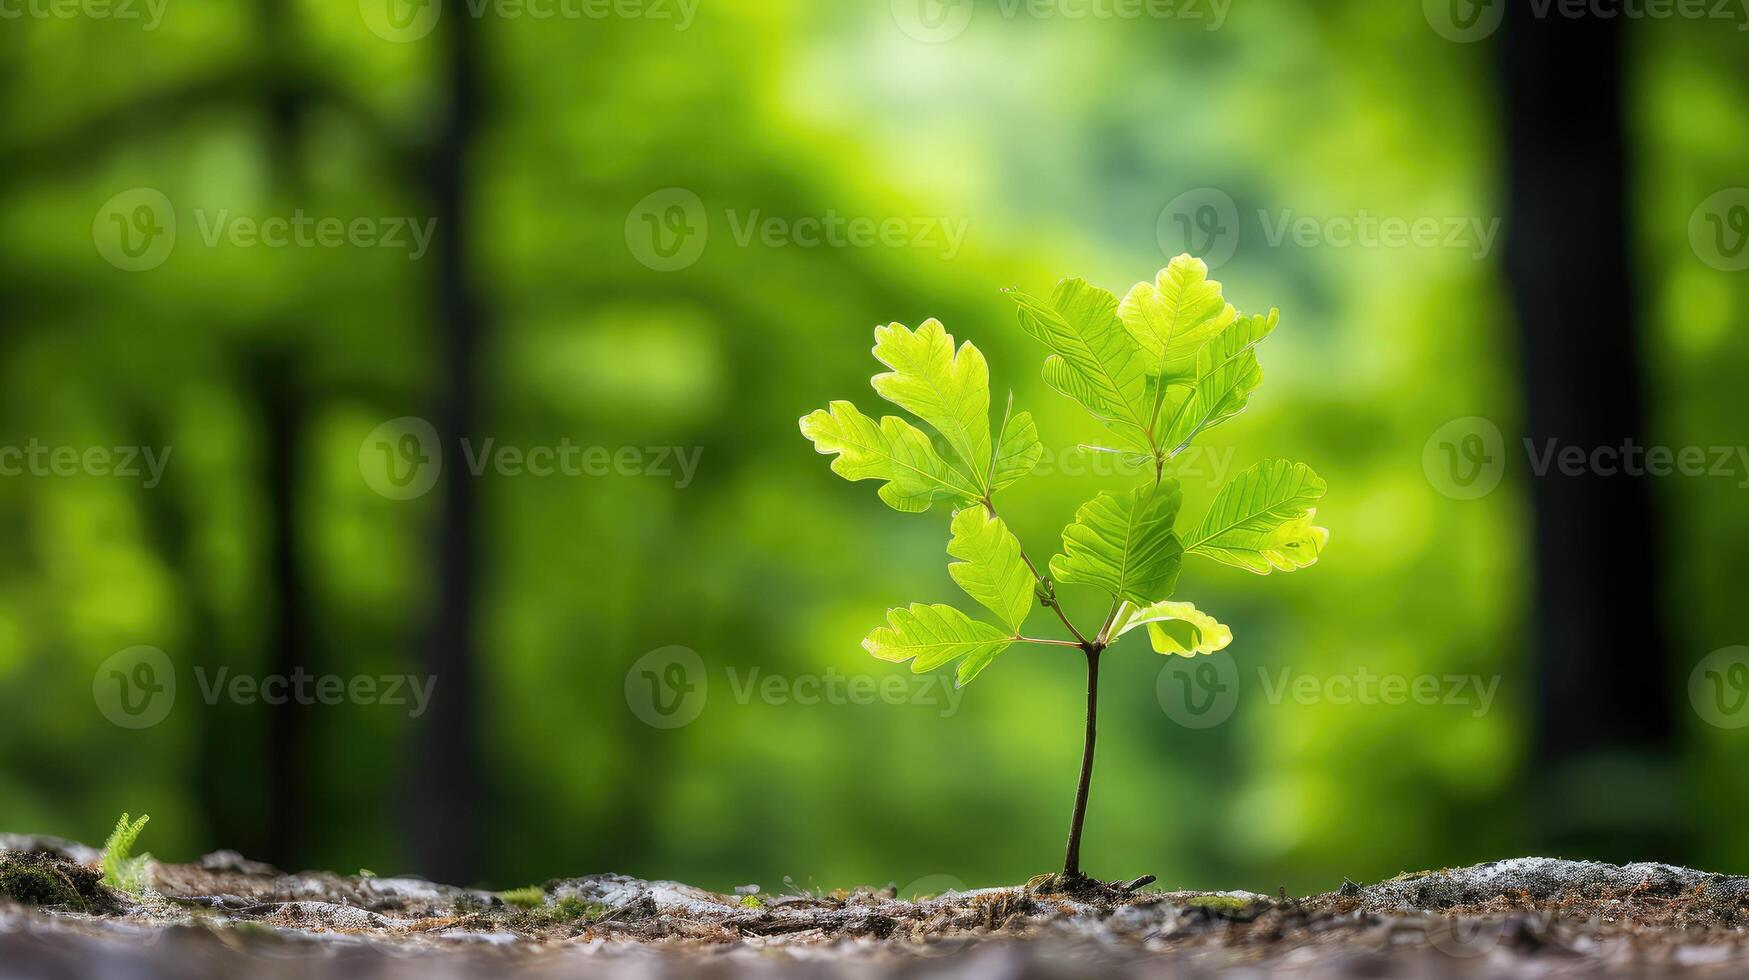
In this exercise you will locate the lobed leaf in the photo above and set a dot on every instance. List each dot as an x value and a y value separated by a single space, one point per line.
1124 544
1172 317
1175 628
893 450
1262 520
930 636
1227 373
1092 361
949 391
990 569
1018 450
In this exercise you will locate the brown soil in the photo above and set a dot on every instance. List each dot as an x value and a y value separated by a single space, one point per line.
226 916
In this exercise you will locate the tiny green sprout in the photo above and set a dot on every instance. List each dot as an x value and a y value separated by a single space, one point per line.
1170 361
122 871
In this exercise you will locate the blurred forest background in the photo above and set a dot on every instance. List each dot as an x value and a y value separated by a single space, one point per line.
531 320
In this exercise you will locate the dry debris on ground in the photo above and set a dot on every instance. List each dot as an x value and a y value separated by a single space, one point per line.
226 916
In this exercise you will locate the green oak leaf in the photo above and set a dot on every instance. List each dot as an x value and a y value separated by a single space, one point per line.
1262 520
1173 316
1124 543
949 391
1092 361
930 636
1018 450
893 450
1227 373
1175 628
990 569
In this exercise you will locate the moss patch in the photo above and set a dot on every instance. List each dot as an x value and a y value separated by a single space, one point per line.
51 882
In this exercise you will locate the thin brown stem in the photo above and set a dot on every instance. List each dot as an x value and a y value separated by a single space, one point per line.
1072 856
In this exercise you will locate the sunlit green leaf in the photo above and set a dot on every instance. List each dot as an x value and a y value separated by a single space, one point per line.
1262 520
1227 373
1173 316
990 569
1175 628
949 391
930 636
1018 450
893 450
1124 544
1093 360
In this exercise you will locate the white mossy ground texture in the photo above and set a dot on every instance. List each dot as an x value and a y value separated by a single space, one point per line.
225 916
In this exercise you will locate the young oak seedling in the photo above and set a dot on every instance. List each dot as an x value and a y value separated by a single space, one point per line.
1157 369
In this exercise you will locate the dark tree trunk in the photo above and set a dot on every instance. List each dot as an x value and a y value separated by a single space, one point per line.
446 771
1603 715
287 804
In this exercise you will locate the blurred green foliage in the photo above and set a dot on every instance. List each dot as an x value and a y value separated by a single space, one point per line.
1058 142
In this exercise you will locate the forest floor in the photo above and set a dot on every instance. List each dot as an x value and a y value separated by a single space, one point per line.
226 916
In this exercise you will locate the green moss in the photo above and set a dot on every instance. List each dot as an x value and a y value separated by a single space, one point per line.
751 902
530 897
1217 903
543 915
35 882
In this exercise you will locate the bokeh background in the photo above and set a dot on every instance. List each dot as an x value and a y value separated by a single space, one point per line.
1060 144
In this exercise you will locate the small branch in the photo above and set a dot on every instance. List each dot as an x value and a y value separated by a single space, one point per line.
1080 641
1049 643
1104 635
